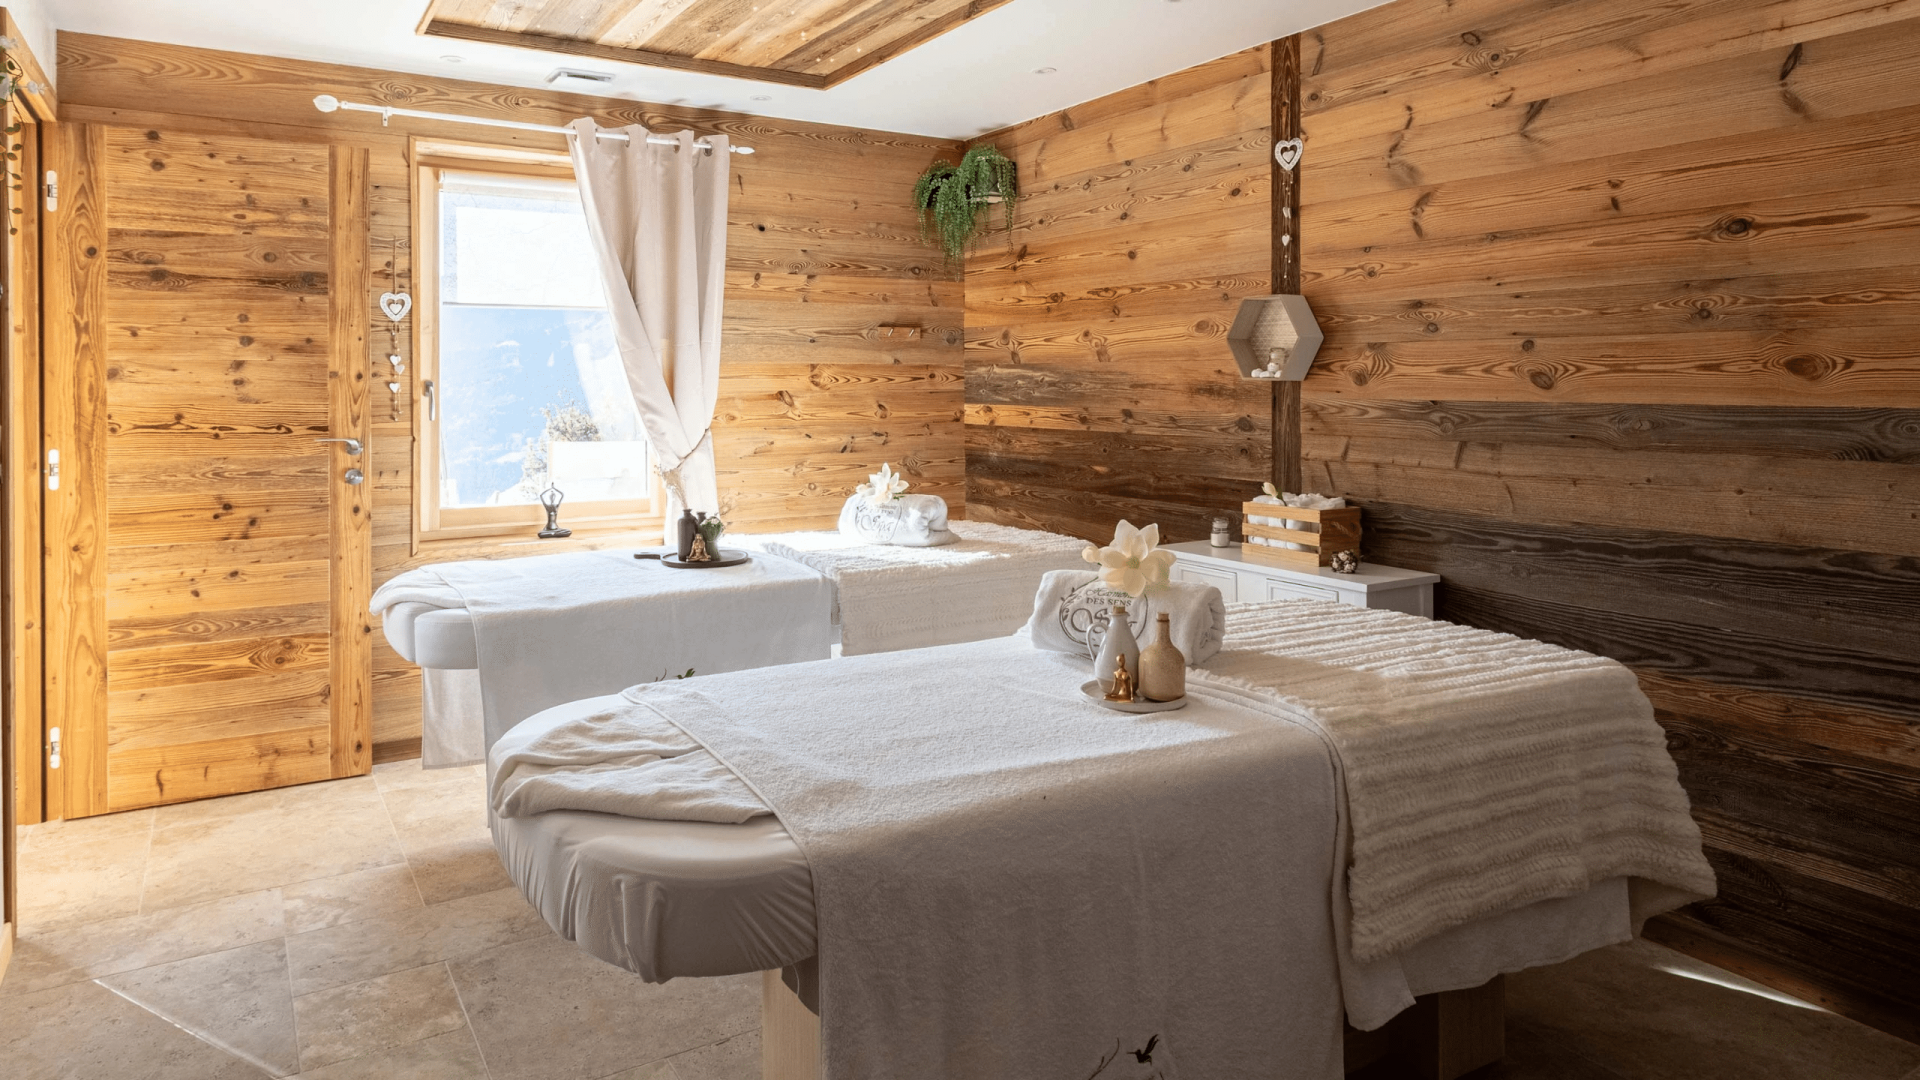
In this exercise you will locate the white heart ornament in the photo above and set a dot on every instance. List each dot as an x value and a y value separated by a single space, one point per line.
396 305
1288 153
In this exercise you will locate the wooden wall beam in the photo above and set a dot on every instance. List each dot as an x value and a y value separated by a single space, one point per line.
1285 238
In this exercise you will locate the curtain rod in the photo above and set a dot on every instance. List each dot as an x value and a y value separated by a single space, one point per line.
329 103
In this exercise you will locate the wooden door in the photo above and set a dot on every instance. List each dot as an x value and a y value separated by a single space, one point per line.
209 564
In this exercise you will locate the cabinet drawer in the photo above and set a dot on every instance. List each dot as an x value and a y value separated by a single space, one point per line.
1287 590
1225 580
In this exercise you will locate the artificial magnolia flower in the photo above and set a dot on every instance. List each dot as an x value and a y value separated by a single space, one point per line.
1272 492
882 487
1132 564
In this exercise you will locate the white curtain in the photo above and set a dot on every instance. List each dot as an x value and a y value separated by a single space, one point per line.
658 217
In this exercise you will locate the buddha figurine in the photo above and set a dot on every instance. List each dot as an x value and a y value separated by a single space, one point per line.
1122 683
699 552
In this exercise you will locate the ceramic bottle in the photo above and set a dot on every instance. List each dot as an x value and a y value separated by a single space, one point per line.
1119 643
1163 667
688 526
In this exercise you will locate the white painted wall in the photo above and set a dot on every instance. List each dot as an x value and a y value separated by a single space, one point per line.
37 27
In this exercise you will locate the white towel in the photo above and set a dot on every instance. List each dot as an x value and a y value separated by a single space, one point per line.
1067 606
619 761
892 597
903 521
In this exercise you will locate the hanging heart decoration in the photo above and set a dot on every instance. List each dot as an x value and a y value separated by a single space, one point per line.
1287 153
396 305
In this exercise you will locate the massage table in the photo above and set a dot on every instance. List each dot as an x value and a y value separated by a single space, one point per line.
876 598
684 898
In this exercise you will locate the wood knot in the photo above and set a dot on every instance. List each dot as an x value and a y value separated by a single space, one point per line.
1542 374
1812 368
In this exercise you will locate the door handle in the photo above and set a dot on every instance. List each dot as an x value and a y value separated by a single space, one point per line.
353 445
433 402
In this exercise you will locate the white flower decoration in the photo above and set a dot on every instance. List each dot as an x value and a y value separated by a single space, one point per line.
1132 564
882 487
1272 492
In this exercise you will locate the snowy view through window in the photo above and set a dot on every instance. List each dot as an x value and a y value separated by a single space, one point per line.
531 387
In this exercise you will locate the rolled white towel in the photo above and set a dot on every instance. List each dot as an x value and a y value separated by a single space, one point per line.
1065 609
1261 540
1312 501
903 521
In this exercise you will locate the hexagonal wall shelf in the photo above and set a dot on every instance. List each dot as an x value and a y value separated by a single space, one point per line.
1275 330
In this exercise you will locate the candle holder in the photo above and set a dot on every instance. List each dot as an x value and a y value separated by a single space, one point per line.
551 499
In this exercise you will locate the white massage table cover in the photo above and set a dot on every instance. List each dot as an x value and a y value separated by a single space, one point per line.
550 629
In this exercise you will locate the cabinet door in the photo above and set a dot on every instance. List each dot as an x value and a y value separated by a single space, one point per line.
1278 589
1225 580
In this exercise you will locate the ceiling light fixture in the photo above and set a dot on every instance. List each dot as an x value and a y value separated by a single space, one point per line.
1045 70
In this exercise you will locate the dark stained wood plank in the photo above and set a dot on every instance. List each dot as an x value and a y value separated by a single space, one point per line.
1888 435
1842 599
1837 946
1284 229
1886 740
1870 506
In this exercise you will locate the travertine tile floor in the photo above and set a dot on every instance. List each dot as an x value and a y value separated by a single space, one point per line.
364 929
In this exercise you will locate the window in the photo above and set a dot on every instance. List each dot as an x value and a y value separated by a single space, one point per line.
528 386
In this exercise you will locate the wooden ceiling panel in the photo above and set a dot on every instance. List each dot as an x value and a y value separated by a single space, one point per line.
813 43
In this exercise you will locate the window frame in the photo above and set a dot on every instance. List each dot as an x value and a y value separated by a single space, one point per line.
431 520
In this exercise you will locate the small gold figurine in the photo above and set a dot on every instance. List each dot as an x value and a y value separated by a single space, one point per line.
699 552
1122 682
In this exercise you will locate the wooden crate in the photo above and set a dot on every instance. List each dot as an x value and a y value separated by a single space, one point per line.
1334 530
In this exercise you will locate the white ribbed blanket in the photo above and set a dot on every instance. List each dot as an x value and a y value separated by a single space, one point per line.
1483 772
911 597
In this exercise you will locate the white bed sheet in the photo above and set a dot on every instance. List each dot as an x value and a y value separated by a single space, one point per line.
674 899
554 628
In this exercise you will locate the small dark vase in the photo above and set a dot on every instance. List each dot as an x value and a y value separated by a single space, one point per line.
689 528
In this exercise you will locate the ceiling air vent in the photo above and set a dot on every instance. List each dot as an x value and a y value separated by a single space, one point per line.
577 79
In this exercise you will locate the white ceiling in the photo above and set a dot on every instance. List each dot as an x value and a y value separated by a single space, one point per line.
977 78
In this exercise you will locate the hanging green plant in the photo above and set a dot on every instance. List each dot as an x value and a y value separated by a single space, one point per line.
950 197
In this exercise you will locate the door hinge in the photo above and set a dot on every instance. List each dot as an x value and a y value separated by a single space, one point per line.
53 748
53 470
53 191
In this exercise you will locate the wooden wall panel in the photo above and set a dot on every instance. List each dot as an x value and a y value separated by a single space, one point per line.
1621 322
823 250
1099 384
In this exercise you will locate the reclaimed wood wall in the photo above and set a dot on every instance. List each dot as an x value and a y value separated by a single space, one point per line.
1622 307
1099 383
823 249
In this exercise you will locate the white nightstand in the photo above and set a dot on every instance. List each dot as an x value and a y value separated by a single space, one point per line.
1375 586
